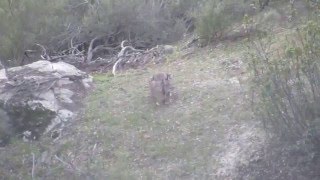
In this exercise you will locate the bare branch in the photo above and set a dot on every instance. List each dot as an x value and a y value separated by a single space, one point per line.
124 51
80 4
71 42
114 68
33 166
102 47
92 50
69 165
44 56
90 53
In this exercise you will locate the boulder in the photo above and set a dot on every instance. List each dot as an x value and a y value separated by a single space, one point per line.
39 97
5 128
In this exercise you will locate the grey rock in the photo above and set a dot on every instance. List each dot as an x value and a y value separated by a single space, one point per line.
65 115
37 97
168 49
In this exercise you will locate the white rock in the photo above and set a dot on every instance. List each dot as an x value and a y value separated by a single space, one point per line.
64 95
45 85
87 81
234 80
48 95
63 81
168 49
34 104
3 75
61 68
65 115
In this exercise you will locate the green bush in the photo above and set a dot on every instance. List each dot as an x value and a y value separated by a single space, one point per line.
286 97
211 22
216 17
288 85
26 22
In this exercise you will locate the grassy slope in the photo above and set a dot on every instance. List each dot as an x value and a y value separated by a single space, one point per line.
125 136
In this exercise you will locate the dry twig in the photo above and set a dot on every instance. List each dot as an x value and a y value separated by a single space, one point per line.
33 166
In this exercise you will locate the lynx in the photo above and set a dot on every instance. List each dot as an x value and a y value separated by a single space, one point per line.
160 88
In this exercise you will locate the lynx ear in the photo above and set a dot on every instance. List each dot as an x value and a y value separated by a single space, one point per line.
168 76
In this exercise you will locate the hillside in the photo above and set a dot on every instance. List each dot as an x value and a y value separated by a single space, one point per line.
205 134
245 103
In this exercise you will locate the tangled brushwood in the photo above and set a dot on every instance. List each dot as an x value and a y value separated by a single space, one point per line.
128 57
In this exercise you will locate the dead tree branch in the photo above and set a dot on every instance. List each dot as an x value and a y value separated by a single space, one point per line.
121 55
90 53
44 55
33 166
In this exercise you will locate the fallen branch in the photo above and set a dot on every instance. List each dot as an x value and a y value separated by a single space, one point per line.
44 56
33 166
90 53
114 68
68 164
102 47
92 50
124 52
53 58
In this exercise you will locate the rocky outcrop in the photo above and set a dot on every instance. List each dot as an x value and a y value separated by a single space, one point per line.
39 97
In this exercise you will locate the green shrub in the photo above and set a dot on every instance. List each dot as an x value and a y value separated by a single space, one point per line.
211 22
288 85
26 22
216 17
286 92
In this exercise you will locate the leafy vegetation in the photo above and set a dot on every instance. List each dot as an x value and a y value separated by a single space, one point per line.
287 80
24 23
215 18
